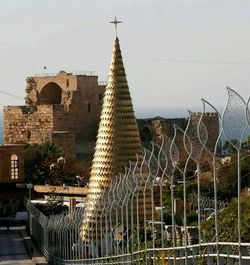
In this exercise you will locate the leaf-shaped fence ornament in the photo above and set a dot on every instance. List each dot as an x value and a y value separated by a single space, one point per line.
144 167
163 158
114 189
124 186
133 180
192 133
187 141
154 163
128 184
114 192
78 216
71 221
63 219
119 195
136 174
103 215
130 179
104 200
162 162
234 119
110 193
49 223
150 164
43 220
202 130
174 151
168 156
248 112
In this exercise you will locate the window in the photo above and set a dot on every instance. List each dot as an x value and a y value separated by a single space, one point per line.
67 82
89 107
14 166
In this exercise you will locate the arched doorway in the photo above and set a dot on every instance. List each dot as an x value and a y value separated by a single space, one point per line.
50 94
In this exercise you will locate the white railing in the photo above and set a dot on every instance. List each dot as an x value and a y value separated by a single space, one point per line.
80 72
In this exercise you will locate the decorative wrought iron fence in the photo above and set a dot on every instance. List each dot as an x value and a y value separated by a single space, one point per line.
139 219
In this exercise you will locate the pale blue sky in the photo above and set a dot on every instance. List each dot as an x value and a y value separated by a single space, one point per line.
175 51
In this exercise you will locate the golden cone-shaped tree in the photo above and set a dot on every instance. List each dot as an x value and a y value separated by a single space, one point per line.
118 140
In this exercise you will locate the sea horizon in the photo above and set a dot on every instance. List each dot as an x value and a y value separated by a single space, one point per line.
149 113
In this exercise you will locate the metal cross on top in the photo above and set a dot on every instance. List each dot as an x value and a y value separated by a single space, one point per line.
115 22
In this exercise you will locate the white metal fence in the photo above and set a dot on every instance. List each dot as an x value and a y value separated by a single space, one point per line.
139 219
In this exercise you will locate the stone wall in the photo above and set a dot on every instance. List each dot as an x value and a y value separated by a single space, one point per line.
63 102
66 140
152 129
24 124
72 103
37 85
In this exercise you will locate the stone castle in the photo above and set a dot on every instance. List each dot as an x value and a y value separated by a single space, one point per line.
65 109
152 129
62 108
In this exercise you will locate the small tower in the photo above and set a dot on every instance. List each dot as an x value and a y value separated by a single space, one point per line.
118 140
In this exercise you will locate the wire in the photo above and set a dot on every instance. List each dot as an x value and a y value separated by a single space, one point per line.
228 184
193 61
189 61
232 162
12 95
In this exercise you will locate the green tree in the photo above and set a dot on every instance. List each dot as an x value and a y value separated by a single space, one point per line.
229 148
42 164
248 140
37 162
227 220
